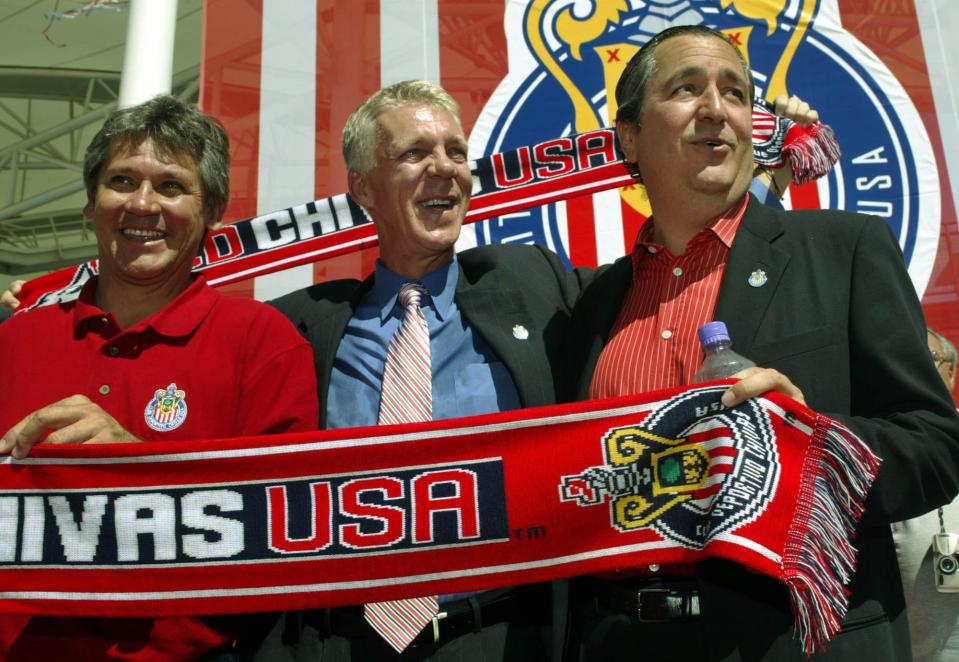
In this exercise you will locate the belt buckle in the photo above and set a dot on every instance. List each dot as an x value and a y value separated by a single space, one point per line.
436 625
645 608
668 605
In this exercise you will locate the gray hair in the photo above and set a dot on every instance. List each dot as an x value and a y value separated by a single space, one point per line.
948 349
176 130
361 132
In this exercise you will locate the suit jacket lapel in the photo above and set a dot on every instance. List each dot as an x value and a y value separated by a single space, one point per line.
327 337
494 310
742 305
600 308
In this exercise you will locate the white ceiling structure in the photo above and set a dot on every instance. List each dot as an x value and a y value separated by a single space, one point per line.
59 77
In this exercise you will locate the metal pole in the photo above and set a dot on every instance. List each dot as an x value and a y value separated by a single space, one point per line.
59 130
148 58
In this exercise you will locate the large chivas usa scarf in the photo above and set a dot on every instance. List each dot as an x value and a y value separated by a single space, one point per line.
378 513
503 183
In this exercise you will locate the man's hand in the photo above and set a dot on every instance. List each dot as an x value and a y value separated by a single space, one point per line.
795 109
9 297
73 420
756 381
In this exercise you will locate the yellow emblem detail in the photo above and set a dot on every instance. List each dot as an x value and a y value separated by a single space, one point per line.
635 512
680 470
165 402
614 58
625 445
762 10
577 32
584 117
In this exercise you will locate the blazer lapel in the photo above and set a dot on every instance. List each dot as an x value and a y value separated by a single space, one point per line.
326 339
497 313
752 275
598 310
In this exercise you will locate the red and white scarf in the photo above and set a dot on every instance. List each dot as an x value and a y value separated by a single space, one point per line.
369 514
503 183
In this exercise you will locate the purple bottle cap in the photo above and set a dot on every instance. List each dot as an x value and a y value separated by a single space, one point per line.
712 333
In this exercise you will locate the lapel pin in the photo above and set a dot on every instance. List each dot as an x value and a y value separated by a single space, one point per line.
520 332
757 278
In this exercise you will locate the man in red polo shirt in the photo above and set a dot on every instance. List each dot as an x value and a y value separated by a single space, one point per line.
821 299
148 351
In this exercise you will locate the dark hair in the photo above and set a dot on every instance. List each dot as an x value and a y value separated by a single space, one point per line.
631 88
176 130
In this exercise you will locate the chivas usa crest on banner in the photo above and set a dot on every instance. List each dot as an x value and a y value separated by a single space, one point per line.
689 484
565 57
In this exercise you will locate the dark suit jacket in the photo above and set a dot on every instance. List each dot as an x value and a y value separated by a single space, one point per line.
499 287
839 316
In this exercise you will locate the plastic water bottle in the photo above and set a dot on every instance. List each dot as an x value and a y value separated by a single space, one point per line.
721 361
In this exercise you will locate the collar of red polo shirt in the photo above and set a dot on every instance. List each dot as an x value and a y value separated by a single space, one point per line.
362 515
503 183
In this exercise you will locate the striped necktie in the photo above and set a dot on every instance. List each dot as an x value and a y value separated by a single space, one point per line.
407 397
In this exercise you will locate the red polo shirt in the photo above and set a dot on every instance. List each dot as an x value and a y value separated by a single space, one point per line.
206 366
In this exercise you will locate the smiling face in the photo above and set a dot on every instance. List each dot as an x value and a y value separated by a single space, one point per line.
695 127
148 217
418 190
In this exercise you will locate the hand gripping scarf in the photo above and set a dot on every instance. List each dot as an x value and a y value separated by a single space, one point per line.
502 183
368 514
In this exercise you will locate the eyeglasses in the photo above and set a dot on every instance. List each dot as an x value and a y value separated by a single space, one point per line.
938 358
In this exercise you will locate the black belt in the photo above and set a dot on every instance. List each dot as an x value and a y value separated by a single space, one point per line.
454 619
654 600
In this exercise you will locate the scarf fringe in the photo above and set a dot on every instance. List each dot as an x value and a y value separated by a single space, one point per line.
812 156
820 558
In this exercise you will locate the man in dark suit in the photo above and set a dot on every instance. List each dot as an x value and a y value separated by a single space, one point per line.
820 299
496 319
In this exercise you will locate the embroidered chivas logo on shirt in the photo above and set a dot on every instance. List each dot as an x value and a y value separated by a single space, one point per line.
167 410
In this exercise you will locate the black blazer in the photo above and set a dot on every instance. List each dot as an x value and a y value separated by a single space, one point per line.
839 316
499 287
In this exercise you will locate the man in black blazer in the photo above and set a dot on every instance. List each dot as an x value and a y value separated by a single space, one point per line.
821 300
517 297
497 318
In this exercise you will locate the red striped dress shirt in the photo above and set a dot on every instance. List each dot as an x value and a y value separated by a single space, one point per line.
653 343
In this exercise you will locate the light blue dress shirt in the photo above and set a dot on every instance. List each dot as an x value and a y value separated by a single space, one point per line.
764 194
468 378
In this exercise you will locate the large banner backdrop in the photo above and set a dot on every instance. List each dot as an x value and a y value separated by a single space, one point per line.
526 71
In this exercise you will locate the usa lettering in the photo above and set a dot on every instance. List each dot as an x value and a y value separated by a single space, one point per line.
406 509
547 160
382 511
871 183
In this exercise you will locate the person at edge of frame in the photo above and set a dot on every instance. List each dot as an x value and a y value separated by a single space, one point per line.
820 299
933 614
148 352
